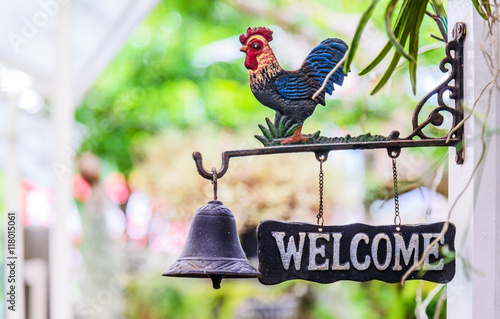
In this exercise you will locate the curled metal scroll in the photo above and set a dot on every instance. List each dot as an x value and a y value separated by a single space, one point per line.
455 89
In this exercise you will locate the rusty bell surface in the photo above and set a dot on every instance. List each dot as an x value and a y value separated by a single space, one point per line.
213 248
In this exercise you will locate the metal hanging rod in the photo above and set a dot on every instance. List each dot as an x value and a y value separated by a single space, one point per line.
453 84
323 149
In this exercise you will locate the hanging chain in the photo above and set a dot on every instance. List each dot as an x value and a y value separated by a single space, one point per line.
214 181
397 218
320 219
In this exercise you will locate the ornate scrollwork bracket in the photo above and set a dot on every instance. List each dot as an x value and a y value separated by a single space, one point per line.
452 84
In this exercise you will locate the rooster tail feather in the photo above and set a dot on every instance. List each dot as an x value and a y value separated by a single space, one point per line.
323 59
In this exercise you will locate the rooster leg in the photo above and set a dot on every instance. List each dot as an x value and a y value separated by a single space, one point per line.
296 137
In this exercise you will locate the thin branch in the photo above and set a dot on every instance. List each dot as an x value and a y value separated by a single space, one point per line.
439 22
440 304
318 92
472 110
420 311
435 37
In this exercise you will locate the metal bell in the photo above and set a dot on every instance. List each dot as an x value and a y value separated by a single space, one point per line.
213 248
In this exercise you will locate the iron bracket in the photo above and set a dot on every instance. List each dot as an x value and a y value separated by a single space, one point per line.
453 84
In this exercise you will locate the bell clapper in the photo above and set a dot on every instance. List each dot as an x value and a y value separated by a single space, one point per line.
216 280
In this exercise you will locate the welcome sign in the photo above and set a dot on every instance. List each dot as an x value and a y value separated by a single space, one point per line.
356 252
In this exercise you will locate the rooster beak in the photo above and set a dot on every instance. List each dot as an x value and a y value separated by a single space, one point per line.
244 48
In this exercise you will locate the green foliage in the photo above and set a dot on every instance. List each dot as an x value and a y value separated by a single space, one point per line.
405 30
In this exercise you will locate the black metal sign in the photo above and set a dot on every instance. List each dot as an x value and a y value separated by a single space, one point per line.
356 252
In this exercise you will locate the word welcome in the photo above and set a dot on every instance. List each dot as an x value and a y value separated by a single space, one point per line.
352 252
315 251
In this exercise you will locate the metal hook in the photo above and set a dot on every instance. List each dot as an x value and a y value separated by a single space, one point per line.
198 159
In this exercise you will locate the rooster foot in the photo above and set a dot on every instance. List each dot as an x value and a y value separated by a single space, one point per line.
296 137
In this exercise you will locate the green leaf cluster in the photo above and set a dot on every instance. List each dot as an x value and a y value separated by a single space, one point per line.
403 32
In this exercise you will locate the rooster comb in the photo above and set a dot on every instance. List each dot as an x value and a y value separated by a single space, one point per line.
265 32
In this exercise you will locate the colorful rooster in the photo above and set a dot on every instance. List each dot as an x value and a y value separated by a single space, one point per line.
290 92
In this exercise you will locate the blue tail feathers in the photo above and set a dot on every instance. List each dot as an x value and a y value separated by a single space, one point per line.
324 58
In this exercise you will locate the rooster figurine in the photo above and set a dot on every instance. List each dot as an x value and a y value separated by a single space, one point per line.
290 92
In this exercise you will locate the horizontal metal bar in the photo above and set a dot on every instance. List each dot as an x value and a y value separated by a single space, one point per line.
319 149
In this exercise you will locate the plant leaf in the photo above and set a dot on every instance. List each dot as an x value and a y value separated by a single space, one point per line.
402 15
412 68
388 72
414 40
357 35
392 37
479 9
378 59
487 8
439 7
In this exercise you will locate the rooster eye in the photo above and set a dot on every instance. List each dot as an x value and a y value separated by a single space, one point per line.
256 46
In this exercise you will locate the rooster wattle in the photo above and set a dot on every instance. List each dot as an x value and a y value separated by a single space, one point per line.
290 92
